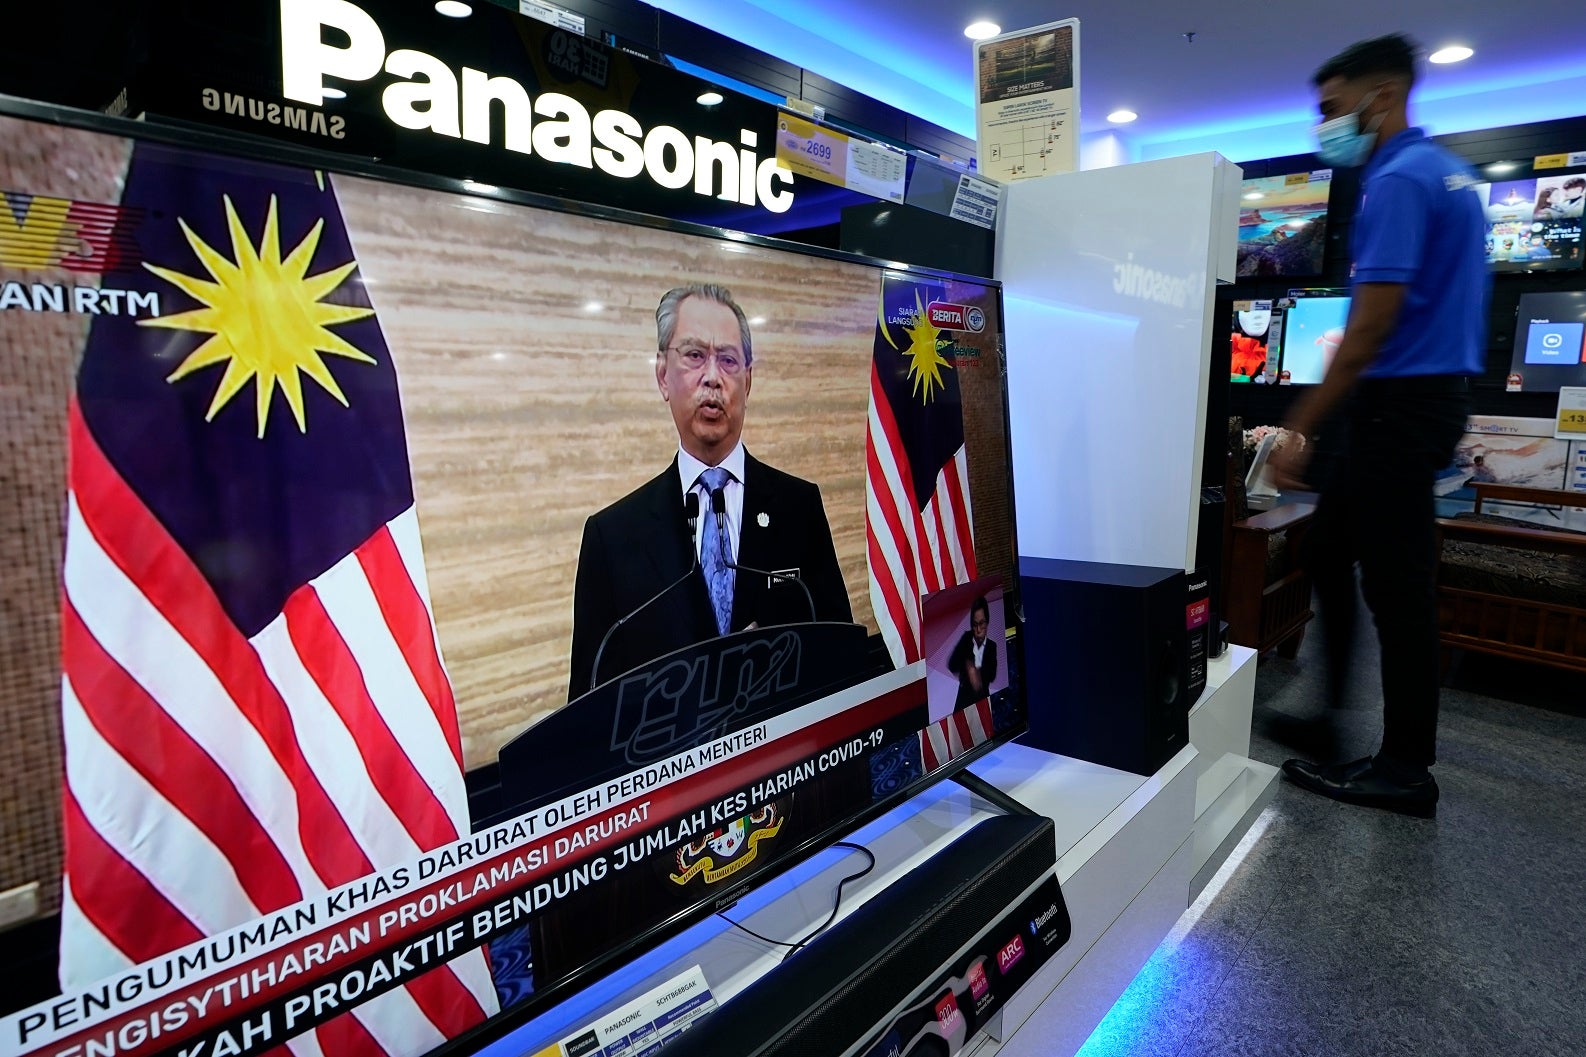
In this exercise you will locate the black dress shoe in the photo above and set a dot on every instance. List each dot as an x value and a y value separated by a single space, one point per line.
1363 782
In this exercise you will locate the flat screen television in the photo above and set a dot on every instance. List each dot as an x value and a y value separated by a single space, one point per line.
336 452
1253 348
1313 325
1283 224
1534 224
1549 342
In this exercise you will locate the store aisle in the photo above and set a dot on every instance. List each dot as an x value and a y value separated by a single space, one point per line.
1348 932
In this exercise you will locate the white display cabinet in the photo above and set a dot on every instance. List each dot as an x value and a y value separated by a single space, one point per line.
1108 281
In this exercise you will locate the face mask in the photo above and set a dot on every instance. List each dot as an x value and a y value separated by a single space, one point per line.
1341 143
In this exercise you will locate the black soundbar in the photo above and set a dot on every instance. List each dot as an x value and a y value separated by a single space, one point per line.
847 986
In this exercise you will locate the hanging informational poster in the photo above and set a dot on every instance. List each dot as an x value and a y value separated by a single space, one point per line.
1027 101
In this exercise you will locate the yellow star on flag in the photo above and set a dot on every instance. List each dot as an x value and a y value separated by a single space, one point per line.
925 359
265 315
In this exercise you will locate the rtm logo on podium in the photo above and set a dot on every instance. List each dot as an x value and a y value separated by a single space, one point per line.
428 95
690 702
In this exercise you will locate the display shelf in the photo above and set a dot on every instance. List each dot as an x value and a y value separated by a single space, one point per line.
1124 857
1231 789
1133 852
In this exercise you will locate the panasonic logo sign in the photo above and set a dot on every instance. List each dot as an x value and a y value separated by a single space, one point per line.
425 94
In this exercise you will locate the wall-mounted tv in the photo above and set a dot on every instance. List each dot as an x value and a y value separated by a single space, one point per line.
1534 224
1313 325
1255 343
349 473
1549 342
1283 224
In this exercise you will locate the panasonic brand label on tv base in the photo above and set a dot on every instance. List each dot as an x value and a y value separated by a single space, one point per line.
423 93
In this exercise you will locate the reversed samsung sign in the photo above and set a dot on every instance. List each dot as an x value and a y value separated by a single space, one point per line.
425 94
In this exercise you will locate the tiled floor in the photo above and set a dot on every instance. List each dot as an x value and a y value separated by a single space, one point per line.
1348 932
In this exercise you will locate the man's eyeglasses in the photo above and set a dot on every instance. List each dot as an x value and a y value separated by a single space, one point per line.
729 360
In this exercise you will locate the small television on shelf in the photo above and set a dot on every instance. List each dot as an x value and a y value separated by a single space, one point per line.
1253 347
1313 325
1549 342
370 476
1283 224
1533 224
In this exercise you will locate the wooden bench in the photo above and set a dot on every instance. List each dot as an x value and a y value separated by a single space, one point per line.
1513 588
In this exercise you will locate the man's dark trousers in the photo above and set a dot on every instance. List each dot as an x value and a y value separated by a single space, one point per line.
1376 508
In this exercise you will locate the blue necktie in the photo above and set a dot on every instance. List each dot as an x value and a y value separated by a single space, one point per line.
715 550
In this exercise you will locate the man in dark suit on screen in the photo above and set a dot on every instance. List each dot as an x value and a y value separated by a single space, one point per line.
974 659
750 514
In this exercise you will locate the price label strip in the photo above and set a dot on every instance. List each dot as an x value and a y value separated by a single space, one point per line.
976 201
833 157
1571 421
810 150
1571 160
645 1025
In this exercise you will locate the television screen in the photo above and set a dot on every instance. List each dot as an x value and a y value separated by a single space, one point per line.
1313 326
1255 343
1533 224
352 478
1283 224
1549 342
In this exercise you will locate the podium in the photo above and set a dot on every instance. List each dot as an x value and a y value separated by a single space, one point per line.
675 703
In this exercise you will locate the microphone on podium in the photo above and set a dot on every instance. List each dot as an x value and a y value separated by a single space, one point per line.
718 505
691 515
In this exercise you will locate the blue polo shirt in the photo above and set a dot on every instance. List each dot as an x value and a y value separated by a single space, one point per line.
1420 224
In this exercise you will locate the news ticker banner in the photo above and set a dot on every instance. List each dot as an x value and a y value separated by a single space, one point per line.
823 153
949 1011
1027 102
256 986
641 1027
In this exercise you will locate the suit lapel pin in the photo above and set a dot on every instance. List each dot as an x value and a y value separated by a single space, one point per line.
763 519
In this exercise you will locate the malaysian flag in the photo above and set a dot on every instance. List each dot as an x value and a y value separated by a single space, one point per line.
918 527
254 704
956 734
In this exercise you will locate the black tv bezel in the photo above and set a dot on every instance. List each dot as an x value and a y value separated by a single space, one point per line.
194 136
1522 323
1521 172
1302 294
1327 216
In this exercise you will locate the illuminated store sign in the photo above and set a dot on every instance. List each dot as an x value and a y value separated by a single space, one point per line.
422 92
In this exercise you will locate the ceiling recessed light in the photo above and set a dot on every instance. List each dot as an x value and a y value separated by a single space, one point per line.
476 186
1121 117
1253 195
333 93
709 98
453 8
1498 168
1452 53
981 30
756 321
593 306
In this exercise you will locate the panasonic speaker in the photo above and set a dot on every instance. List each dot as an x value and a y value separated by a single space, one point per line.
1106 660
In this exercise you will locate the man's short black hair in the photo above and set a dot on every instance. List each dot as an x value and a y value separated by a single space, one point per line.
1390 56
979 606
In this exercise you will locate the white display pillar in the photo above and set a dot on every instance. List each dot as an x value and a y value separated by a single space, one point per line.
1108 281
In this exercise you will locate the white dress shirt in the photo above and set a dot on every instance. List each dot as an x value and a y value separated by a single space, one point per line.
688 471
979 650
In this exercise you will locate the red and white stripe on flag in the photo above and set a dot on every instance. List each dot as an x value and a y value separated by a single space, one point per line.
213 778
913 549
956 734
